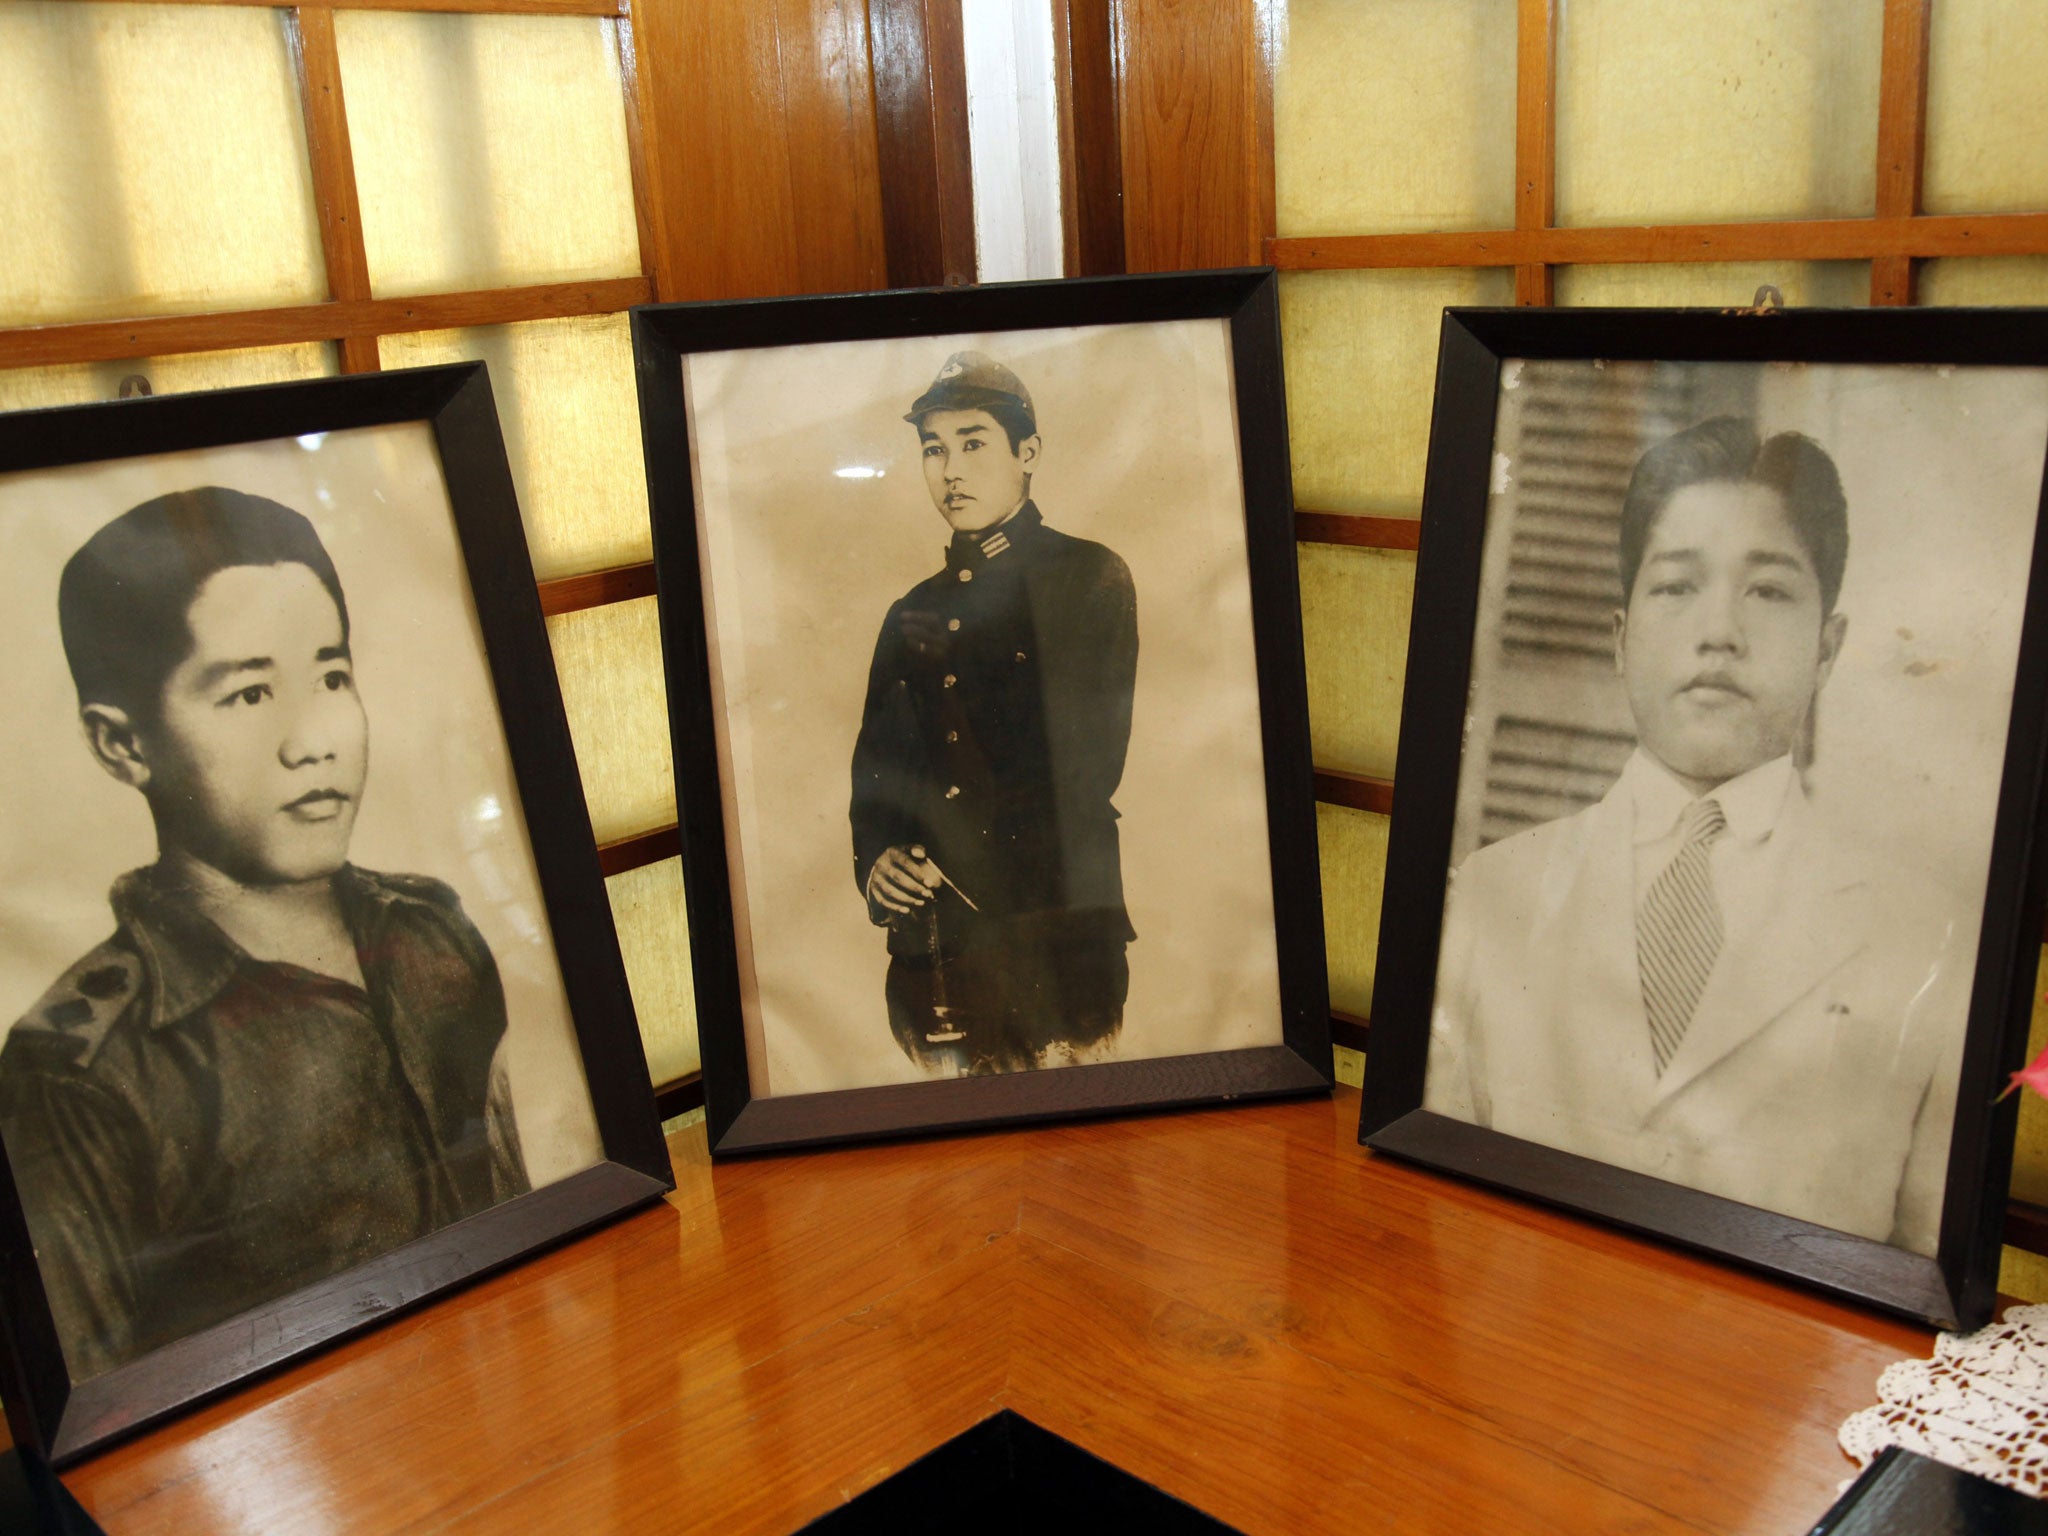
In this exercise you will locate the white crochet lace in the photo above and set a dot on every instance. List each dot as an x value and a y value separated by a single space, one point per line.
1980 1404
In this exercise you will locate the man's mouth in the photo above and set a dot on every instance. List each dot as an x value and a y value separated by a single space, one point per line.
317 805
1715 685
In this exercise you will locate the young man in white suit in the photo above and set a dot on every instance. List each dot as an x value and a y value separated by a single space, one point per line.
1696 978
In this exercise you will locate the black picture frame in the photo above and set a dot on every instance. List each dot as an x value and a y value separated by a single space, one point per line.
49 1414
739 1120
1954 1287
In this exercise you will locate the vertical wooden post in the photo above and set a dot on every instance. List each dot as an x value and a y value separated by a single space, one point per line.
1535 136
639 150
317 60
1901 137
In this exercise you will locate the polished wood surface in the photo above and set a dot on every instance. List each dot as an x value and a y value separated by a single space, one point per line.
1360 529
1239 1305
1535 137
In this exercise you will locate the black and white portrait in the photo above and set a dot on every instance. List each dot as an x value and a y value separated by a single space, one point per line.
982 639
283 988
1740 688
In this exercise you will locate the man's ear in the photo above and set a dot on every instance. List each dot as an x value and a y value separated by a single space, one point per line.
1027 453
1620 639
1832 631
111 736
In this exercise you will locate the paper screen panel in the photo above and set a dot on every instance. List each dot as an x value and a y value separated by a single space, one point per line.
24 389
654 936
152 159
1718 284
572 430
1987 142
1670 111
1984 280
609 661
1361 364
490 151
1353 846
1393 115
1354 615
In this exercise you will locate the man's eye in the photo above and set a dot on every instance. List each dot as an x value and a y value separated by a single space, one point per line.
1771 592
1671 588
969 446
932 450
254 694
337 680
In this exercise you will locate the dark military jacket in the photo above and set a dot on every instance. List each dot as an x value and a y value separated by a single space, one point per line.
195 1131
998 716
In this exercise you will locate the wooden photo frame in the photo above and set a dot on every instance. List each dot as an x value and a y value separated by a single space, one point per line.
1083 716
1725 705
328 1065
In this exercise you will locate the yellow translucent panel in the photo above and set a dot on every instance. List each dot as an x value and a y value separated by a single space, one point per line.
1395 115
1670 111
1717 285
654 936
609 661
1361 366
1354 615
572 430
152 158
24 389
1350 1067
1353 845
490 151
1984 280
1987 146
2024 1275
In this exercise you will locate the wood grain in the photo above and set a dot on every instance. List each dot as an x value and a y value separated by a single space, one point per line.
926 178
317 60
1360 791
1207 1299
1358 529
499 7
1535 136
593 589
97 341
1901 136
1091 162
639 850
1990 234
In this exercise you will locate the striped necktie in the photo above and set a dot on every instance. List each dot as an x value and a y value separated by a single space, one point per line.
1678 932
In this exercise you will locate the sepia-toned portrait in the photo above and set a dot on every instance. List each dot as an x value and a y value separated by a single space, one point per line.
283 991
1741 680
982 630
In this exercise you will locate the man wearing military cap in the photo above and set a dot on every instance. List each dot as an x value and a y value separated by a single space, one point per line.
997 719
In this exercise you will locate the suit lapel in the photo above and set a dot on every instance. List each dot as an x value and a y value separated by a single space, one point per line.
1775 956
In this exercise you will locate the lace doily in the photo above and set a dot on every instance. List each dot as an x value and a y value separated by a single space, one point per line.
1980 1404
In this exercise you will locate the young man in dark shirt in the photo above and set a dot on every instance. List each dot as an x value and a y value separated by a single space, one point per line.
279 1065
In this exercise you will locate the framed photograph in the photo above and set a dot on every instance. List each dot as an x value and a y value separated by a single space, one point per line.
984 668
1714 897
317 1005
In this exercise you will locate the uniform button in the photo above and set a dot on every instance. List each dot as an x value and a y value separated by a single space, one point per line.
952 791
949 680
952 623
967 575
1020 655
952 736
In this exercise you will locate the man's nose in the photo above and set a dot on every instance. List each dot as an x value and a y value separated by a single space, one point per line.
1721 623
310 735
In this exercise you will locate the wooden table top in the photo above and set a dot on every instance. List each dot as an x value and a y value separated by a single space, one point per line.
1239 1305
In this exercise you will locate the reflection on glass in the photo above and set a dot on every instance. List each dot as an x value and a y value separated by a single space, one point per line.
1395 115
609 660
152 158
1361 358
565 398
490 151
1674 112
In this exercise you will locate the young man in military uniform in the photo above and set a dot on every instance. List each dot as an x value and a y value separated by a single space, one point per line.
997 719
280 1065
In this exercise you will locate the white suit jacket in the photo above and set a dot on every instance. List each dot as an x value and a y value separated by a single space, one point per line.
1817 1077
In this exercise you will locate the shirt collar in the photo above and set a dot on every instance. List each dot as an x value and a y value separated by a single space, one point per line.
986 544
1750 802
188 958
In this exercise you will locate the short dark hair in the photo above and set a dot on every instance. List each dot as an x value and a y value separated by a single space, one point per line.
1016 422
1727 448
124 597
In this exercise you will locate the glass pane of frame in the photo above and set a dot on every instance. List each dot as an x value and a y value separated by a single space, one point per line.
1673 112
1395 115
82 383
1354 615
609 661
654 936
1986 148
572 430
1360 351
490 151
152 159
